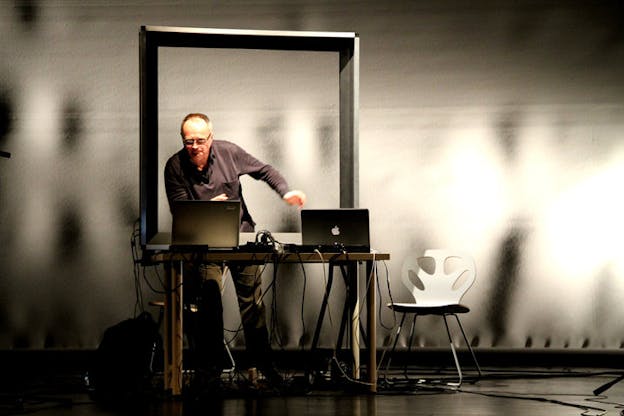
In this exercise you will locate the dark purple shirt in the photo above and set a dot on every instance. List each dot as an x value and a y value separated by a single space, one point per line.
226 163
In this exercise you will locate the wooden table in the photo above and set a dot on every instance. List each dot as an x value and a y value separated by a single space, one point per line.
173 332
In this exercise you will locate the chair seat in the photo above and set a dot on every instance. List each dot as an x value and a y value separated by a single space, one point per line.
428 310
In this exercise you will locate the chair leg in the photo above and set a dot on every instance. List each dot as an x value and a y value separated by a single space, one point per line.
230 357
474 357
459 372
409 345
394 343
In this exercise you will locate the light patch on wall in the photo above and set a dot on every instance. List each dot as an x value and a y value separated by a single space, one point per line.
584 225
302 142
473 189
306 165
36 151
569 183
37 130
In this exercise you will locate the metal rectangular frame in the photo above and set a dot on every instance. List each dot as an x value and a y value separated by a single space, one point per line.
153 37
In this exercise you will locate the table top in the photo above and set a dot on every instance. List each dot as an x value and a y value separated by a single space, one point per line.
265 257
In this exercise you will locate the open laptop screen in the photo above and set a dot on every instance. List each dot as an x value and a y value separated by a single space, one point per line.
331 229
205 224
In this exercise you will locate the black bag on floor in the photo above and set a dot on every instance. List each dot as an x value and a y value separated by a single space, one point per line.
124 358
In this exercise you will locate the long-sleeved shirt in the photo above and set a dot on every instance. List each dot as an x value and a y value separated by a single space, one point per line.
226 163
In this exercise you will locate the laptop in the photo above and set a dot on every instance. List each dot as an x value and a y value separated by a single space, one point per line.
335 230
205 225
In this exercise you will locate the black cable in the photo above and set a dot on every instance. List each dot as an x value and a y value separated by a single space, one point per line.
303 292
608 385
275 332
162 291
138 304
520 396
441 389
391 300
616 405
140 272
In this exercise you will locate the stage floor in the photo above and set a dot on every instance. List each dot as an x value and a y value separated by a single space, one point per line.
508 392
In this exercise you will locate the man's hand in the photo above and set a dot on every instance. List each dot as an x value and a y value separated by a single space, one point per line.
297 198
222 197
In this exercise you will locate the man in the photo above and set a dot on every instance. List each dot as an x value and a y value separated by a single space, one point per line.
210 169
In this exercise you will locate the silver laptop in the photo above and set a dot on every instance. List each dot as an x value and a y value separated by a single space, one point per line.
336 229
205 225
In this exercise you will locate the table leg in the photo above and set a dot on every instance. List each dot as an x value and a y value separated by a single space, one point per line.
173 334
353 291
371 327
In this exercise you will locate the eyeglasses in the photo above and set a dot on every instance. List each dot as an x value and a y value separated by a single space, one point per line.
199 141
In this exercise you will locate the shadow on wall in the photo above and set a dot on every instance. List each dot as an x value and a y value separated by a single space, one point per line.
27 13
272 135
72 125
611 20
325 133
6 116
507 131
504 283
70 234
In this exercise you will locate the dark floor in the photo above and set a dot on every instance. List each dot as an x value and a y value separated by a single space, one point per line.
507 391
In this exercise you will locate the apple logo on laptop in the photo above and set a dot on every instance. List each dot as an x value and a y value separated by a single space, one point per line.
335 230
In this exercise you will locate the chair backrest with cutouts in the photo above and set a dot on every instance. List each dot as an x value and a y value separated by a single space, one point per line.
440 286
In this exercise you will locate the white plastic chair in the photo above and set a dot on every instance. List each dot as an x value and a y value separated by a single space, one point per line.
436 293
